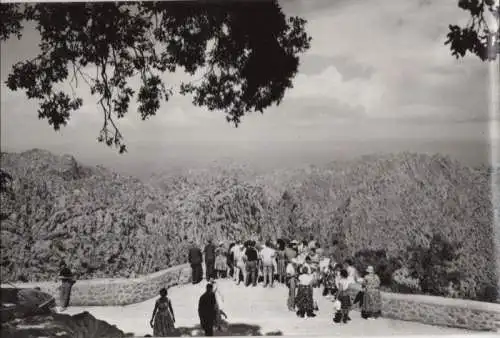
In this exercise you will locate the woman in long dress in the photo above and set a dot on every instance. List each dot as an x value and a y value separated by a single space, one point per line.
163 318
230 260
305 300
281 265
330 288
372 302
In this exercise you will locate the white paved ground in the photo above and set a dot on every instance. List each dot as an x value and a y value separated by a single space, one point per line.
262 307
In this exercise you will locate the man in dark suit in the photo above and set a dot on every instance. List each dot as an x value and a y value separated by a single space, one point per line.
67 281
210 260
195 258
207 310
251 264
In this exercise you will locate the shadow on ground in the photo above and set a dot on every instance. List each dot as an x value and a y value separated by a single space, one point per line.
234 329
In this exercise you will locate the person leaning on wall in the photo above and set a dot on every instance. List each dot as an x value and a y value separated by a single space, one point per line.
67 280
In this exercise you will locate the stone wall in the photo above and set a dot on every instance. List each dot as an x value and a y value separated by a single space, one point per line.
431 310
118 291
467 314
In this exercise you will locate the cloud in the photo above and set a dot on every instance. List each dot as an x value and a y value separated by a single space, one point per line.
350 69
400 47
330 84
376 70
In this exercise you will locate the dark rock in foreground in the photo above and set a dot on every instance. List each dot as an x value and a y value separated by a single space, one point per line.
82 325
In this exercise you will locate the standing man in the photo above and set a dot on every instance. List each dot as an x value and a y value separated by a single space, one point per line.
195 258
207 310
235 253
290 251
267 255
251 264
67 281
240 263
210 260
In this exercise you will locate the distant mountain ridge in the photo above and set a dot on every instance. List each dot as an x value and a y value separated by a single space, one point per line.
110 225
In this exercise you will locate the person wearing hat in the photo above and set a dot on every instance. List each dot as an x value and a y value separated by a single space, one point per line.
372 302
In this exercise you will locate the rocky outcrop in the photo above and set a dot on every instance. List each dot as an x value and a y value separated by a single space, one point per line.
82 325
95 219
110 225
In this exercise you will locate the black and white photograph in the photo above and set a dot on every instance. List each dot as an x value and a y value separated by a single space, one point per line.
250 168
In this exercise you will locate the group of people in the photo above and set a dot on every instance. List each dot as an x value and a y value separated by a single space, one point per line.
307 267
301 266
341 283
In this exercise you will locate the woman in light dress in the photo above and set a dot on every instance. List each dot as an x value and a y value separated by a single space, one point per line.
220 262
163 318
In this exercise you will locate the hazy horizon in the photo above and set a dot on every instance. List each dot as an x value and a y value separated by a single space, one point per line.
378 78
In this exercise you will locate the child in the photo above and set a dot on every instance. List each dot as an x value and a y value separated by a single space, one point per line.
337 317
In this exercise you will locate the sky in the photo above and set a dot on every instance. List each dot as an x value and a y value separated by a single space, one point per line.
377 78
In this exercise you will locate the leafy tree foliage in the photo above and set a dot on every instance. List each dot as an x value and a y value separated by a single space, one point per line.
5 179
248 53
5 192
434 265
383 264
477 37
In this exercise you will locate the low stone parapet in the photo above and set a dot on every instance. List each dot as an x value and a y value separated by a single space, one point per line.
459 313
117 291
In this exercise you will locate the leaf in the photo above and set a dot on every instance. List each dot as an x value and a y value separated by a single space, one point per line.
247 52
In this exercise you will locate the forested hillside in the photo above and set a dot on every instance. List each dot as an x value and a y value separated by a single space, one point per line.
107 224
